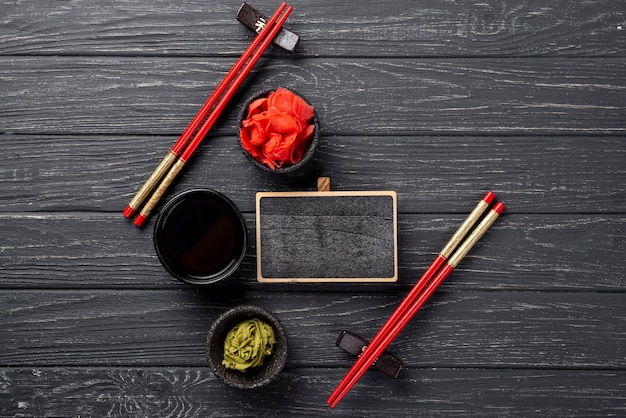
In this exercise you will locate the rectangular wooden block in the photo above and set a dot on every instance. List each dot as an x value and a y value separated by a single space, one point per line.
326 236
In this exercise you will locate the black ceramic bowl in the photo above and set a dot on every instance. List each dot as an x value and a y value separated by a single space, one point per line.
308 153
255 376
200 236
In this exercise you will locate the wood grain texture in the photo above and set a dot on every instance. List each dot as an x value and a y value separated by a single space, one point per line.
195 392
431 174
458 329
63 95
437 100
72 250
327 28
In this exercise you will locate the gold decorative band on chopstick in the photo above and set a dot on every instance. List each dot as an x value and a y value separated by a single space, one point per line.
153 180
473 238
165 184
460 233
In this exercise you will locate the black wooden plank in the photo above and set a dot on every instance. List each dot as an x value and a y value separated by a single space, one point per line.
195 392
547 252
327 27
544 174
76 95
455 329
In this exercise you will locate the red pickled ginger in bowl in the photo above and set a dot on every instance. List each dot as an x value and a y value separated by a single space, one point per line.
277 129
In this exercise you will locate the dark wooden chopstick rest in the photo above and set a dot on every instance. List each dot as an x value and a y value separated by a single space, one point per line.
355 344
255 20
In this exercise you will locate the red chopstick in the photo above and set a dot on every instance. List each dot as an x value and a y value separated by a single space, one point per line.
178 147
271 30
441 258
419 294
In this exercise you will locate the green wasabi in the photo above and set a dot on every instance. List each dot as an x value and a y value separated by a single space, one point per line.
247 344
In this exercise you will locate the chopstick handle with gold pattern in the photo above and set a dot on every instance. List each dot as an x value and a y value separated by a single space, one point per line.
159 192
150 184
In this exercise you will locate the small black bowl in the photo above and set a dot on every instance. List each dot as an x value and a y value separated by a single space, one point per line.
308 153
255 376
200 236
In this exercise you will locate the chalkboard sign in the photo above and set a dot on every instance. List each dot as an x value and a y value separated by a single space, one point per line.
327 236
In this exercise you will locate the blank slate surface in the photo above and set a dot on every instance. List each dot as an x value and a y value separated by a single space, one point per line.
326 236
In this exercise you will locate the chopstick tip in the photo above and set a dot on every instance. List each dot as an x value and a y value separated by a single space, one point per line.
489 196
128 212
140 220
499 208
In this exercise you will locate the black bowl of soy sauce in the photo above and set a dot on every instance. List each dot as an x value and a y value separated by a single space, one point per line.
200 236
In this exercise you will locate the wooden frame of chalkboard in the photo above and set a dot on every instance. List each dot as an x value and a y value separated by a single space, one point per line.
327 236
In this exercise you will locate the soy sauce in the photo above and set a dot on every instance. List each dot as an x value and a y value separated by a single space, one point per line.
200 236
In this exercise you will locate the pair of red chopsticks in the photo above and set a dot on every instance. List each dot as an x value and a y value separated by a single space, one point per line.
172 164
451 255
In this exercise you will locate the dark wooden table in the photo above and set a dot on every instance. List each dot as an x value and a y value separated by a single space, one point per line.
437 100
